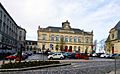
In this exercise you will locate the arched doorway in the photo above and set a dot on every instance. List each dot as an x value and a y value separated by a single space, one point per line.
66 48
70 49
57 47
112 49
79 49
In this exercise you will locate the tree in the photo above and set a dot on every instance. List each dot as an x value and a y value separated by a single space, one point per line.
108 46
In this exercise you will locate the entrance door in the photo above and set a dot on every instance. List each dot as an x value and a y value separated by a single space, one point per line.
66 48
113 50
70 49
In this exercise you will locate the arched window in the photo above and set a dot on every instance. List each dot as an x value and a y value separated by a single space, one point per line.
57 47
79 39
52 37
75 39
66 39
57 37
70 39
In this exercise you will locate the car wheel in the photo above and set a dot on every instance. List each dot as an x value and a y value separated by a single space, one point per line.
51 58
61 58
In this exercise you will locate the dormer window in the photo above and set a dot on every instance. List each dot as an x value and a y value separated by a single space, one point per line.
112 36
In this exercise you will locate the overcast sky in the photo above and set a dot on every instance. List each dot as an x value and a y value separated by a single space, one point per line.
97 15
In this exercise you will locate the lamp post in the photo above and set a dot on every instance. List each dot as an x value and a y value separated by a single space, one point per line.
83 41
43 48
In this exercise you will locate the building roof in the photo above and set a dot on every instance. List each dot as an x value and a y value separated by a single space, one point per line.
57 29
117 26
66 28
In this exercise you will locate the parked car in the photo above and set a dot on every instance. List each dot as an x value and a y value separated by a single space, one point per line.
50 53
81 56
12 57
94 55
66 54
56 56
24 56
72 56
104 55
29 53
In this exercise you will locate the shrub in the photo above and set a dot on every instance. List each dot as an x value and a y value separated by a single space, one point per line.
27 64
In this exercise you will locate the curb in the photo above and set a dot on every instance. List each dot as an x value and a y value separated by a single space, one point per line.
33 68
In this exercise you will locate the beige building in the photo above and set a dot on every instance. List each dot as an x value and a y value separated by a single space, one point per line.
64 38
113 40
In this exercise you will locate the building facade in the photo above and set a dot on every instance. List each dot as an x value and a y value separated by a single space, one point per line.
8 30
113 40
21 38
31 45
64 38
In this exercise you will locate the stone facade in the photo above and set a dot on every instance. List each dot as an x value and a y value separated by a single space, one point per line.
64 38
113 40
31 45
9 31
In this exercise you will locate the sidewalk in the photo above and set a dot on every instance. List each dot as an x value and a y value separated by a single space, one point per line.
113 72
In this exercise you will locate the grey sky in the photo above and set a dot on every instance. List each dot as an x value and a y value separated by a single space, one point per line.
97 15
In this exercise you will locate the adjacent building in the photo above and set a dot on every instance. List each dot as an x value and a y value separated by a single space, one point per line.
12 36
113 40
31 45
64 38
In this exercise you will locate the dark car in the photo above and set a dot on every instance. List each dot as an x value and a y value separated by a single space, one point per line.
81 56
72 56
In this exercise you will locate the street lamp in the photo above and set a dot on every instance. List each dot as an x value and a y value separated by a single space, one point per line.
43 48
83 41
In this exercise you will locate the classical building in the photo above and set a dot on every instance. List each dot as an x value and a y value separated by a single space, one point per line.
11 36
64 38
113 40
31 45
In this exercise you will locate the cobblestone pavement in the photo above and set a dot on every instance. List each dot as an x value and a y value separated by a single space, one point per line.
81 67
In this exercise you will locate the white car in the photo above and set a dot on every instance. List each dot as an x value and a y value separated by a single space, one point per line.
104 55
56 56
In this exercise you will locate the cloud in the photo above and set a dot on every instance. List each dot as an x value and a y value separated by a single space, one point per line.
97 15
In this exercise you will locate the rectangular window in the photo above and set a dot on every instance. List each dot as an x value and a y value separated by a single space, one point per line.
0 14
43 36
79 39
0 25
4 18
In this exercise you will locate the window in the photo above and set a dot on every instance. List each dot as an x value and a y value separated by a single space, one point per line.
70 39
57 38
112 36
66 39
62 38
52 37
75 39
7 21
20 32
0 14
4 18
0 25
43 36
87 41
79 39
